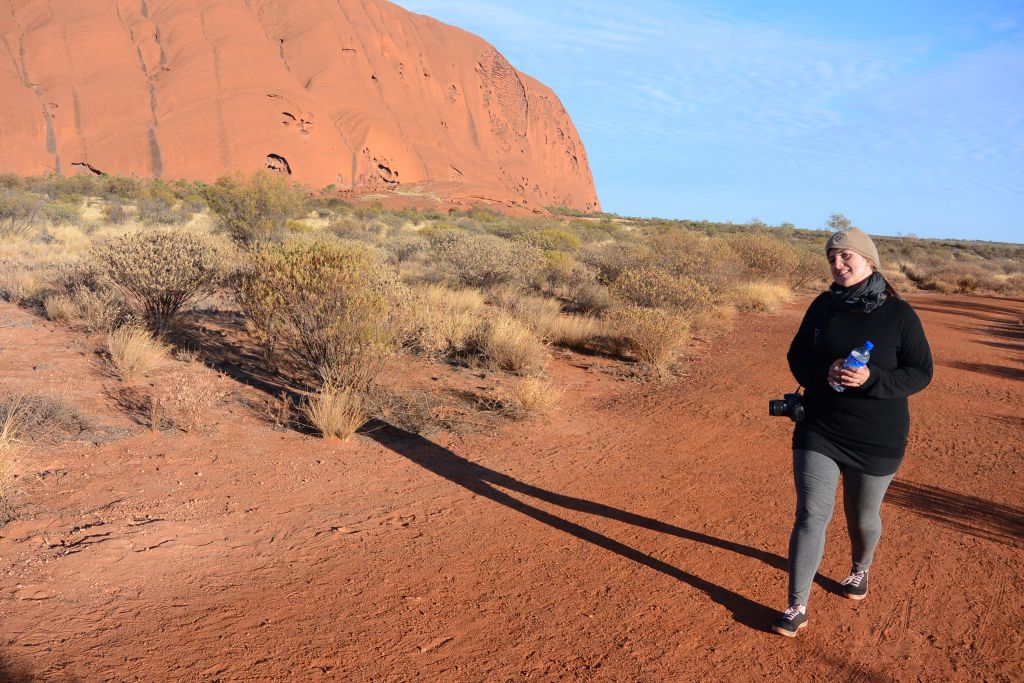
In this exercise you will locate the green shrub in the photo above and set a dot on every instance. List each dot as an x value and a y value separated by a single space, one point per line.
120 187
115 214
763 256
335 309
156 204
19 212
552 239
254 209
487 261
62 213
651 287
161 271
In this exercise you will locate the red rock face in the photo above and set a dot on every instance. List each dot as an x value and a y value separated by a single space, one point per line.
360 94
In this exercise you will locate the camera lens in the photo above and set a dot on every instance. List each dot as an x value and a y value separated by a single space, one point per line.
777 407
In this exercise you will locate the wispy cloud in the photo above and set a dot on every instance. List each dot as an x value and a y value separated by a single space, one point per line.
665 83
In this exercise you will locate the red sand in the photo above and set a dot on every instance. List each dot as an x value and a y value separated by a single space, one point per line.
360 94
638 534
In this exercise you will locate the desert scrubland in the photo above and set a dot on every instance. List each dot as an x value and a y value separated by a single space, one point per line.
250 430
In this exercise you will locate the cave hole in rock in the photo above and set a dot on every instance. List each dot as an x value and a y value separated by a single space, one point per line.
278 164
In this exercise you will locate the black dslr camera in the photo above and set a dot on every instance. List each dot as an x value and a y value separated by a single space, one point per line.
790 405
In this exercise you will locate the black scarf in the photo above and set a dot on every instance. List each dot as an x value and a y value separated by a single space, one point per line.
868 295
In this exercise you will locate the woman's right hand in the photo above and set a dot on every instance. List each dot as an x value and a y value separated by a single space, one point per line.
835 371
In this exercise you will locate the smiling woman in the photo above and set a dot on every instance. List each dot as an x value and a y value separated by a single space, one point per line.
857 432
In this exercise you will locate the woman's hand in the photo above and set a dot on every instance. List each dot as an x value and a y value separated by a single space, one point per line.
846 377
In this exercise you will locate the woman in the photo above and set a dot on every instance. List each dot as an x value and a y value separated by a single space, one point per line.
859 434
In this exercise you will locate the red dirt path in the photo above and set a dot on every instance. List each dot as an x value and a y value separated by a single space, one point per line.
638 534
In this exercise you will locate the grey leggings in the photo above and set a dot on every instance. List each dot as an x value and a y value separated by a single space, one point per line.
817 477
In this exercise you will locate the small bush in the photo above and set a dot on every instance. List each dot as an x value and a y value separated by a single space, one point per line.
552 239
19 212
115 214
133 352
653 288
102 310
253 209
336 412
160 272
810 269
62 213
405 247
763 256
336 308
488 261
157 205
652 335
572 331
508 344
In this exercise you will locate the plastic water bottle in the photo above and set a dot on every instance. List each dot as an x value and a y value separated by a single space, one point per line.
857 359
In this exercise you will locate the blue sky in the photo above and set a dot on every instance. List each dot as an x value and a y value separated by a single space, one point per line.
906 116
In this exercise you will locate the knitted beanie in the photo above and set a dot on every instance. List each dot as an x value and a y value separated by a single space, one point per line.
857 241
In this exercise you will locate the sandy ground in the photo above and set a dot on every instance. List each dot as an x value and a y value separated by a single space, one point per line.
638 534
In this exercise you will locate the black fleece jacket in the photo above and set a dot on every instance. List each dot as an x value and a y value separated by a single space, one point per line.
866 427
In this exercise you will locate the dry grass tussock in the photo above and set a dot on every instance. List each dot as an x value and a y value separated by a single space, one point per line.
532 397
60 308
20 285
336 412
508 344
652 335
762 296
442 321
544 316
133 352
10 447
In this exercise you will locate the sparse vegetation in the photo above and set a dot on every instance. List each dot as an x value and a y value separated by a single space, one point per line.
331 289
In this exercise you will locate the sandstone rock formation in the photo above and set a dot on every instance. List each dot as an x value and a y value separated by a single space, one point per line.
360 94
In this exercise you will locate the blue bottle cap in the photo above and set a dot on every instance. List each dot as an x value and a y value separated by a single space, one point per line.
868 345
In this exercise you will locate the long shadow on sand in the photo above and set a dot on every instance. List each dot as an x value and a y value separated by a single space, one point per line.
485 482
967 514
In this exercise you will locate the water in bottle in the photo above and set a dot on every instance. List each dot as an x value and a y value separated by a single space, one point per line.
858 358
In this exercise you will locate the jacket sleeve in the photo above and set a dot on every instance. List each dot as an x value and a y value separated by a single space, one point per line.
801 356
914 363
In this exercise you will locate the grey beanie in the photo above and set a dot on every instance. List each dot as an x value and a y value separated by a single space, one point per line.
856 240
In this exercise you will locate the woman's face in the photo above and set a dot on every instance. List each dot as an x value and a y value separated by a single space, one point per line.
848 267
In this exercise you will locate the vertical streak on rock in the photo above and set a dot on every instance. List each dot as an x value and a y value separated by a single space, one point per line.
20 65
225 153
154 153
155 159
75 105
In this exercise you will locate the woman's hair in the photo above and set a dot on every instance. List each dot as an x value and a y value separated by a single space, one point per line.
890 291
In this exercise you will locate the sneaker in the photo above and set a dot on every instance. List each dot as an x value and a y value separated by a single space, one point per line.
791 621
855 586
